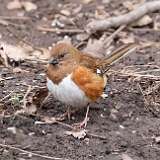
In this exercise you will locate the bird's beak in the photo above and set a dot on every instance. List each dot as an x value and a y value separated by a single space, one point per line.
54 61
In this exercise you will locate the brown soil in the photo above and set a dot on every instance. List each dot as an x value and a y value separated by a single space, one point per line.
122 118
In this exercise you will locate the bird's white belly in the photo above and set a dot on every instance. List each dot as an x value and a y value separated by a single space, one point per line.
68 92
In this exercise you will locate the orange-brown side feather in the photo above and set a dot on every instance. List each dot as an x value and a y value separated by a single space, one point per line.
91 83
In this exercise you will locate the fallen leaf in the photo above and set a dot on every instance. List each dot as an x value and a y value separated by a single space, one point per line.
19 70
77 134
15 4
29 6
145 20
49 120
4 22
129 5
129 39
14 52
100 13
22 52
82 37
126 157
95 48
87 1
3 57
65 12
39 95
30 109
106 1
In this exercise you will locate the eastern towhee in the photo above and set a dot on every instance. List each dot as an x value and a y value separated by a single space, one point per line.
76 78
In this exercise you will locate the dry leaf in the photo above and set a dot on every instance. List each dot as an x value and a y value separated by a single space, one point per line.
14 52
19 70
145 20
4 22
87 1
30 109
29 6
129 5
95 48
65 12
129 39
3 57
100 13
39 96
77 134
106 1
49 120
16 4
43 54
20 53
126 157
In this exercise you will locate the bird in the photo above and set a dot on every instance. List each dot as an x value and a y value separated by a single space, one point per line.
78 79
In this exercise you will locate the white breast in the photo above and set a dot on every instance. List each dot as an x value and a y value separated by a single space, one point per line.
68 92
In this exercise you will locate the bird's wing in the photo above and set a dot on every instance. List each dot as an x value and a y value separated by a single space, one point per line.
91 83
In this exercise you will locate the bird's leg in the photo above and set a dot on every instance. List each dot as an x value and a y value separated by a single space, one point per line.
68 114
83 124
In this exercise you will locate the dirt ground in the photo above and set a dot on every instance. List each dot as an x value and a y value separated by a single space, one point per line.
129 130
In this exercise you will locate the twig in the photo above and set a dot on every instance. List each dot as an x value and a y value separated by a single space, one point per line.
96 136
14 18
32 153
25 96
145 100
7 96
135 75
101 25
55 121
109 40
45 29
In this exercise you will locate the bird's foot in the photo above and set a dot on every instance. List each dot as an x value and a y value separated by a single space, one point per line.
82 124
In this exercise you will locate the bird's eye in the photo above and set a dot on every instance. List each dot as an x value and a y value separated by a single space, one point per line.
61 56
54 61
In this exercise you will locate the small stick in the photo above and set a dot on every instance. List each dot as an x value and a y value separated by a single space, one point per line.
101 25
25 96
14 18
32 153
146 102
45 29
96 136
7 96
109 40
71 127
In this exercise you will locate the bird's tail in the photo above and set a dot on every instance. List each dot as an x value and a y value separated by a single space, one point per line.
117 55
